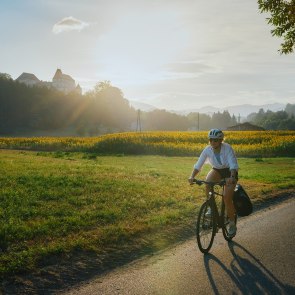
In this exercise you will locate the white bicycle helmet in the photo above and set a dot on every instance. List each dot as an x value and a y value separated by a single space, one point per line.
215 134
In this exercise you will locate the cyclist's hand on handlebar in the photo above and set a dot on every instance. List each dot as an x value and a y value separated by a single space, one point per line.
191 180
198 182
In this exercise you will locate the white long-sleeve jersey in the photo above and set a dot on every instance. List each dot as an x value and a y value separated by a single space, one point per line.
227 157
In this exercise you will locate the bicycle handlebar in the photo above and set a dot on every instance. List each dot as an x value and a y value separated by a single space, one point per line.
211 183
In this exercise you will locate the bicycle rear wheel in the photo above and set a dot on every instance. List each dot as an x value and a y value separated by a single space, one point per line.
205 227
225 221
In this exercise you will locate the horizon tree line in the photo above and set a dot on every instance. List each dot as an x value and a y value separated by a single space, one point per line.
25 110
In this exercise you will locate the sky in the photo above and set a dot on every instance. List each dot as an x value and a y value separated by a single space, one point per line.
172 54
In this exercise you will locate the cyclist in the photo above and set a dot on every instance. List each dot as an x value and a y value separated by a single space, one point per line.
224 166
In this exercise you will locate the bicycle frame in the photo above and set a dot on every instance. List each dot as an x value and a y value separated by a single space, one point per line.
217 212
208 225
211 198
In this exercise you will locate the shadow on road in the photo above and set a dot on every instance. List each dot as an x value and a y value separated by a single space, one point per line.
247 274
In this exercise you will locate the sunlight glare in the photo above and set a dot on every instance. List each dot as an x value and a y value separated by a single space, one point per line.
137 48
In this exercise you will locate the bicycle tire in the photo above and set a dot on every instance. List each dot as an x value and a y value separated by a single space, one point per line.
225 221
205 228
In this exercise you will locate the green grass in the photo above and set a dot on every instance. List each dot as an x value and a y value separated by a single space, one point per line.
57 203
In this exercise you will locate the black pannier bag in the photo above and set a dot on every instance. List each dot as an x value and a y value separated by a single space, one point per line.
242 202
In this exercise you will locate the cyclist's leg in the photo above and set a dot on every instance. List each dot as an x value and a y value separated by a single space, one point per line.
212 176
228 200
231 212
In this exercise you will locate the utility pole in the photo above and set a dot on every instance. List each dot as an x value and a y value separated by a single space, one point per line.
198 121
138 123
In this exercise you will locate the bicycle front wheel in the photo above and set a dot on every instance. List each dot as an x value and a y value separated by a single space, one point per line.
205 227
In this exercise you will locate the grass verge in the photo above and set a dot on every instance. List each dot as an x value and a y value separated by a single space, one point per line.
58 206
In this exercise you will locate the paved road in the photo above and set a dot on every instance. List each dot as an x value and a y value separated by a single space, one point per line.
260 260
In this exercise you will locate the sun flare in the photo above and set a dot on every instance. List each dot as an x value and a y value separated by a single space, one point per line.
133 55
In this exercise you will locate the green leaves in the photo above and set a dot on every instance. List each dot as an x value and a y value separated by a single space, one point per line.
283 19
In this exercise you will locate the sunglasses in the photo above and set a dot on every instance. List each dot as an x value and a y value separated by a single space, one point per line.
214 140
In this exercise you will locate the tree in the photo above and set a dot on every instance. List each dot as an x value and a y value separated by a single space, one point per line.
108 107
282 17
290 109
103 85
164 120
5 76
221 120
269 120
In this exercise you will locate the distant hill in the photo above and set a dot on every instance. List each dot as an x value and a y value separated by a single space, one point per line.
246 109
243 110
142 106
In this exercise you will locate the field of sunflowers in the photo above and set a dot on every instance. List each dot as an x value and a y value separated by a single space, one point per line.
245 143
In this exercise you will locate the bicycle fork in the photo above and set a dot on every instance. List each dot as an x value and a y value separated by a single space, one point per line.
217 219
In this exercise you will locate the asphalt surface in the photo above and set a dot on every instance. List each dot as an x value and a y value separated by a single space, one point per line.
260 260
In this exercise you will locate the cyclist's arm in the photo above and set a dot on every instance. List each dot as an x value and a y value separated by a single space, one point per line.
193 175
233 163
233 166
233 173
198 165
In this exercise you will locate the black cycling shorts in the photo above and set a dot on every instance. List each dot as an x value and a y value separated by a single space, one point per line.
224 173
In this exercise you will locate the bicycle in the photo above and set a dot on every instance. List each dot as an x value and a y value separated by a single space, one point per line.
207 224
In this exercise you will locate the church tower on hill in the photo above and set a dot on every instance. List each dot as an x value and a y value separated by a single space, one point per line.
63 82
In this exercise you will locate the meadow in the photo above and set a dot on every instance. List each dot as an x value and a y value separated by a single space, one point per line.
61 204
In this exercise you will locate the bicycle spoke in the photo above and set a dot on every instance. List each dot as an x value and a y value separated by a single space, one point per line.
205 228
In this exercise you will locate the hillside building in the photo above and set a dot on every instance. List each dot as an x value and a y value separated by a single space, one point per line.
245 127
28 79
60 82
